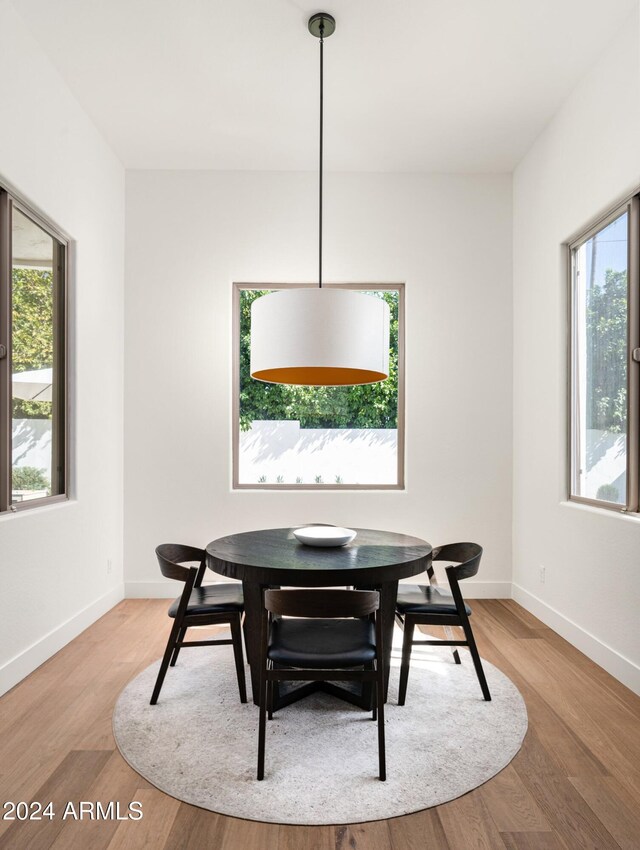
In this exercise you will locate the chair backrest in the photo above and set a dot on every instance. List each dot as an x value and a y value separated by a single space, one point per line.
321 603
171 556
466 556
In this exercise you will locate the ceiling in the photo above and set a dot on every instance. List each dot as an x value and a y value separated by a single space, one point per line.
410 85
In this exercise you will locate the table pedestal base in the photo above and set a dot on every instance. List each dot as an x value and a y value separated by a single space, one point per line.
362 698
286 696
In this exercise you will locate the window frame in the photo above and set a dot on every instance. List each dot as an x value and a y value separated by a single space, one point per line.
630 205
238 287
10 200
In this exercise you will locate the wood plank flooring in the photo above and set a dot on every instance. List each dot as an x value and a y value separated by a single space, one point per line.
575 784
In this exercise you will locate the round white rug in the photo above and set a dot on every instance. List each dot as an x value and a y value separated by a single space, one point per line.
199 743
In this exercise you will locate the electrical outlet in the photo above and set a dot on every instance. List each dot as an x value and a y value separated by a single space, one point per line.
109 566
542 574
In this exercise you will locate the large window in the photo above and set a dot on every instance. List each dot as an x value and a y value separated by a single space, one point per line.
318 437
605 372
33 399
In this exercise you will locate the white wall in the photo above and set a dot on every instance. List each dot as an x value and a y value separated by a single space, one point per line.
190 234
54 579
587 158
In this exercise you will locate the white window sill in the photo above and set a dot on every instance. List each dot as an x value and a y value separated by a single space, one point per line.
36 510
579 506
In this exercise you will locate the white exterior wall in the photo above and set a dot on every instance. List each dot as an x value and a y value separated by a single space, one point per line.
586 159
191 234
271 449
54 560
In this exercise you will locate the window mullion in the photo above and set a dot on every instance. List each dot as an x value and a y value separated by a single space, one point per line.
61 451
5 359
633 371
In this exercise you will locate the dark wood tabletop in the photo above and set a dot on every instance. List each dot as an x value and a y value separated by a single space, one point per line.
273 557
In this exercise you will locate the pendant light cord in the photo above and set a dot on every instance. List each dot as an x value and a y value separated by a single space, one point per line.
321 152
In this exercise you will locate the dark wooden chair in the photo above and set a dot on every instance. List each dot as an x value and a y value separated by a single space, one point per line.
198 606
312 647
432 606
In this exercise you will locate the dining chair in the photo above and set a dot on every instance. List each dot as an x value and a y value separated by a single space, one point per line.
326 635
198 605
418 605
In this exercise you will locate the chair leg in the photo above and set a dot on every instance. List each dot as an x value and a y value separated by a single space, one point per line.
270 699
407 640
236 635
244 632
477 663
382 762
262 723
370 665
166 658
181 636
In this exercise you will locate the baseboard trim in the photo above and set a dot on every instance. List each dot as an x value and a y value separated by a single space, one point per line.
621 668
18 667
151 589
170 589
486 589
161 589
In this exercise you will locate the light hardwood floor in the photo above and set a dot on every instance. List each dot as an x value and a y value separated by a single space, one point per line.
574 784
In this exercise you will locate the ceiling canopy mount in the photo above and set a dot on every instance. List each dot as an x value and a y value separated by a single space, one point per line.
322 25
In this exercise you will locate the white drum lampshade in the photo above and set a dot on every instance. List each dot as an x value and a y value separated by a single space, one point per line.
324 337
319 337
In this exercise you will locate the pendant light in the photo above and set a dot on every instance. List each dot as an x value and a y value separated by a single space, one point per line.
320 336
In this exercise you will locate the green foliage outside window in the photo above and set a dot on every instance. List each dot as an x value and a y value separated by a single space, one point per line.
29 478
606 318
608 493
368 406
32 333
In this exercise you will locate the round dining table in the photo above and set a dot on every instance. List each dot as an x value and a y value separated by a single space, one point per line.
274 558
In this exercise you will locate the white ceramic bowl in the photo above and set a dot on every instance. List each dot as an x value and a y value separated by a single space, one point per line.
324 535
